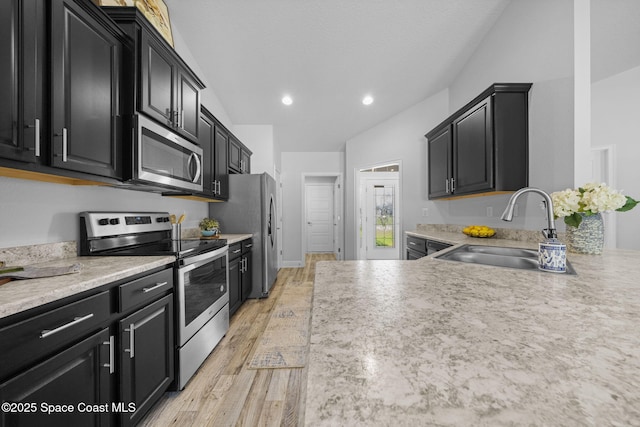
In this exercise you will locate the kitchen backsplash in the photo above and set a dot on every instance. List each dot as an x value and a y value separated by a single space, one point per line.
25 255
501 233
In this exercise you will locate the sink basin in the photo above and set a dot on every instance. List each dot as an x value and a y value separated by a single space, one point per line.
497 256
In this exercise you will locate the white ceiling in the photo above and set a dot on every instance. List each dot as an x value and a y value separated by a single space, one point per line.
327 54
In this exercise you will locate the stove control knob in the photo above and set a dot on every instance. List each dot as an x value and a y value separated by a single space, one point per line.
114 221
103 221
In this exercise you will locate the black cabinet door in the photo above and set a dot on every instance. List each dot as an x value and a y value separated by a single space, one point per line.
245 162
473 150
86 73
247 276
146 358
221 153
235 284
206 142
439 170
76 376
22 79
157 82
188 106
235 155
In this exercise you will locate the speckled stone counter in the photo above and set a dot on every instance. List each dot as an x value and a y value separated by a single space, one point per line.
20 295
433 342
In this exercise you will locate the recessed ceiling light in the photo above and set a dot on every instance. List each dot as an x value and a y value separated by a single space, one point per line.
287 100
367 100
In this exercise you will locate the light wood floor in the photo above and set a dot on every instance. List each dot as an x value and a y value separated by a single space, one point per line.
224 392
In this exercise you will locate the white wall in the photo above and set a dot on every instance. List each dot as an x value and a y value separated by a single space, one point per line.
294 167
399 138
40 212
259 139
616 121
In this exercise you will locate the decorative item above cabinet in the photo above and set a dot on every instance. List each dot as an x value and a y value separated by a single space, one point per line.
483 147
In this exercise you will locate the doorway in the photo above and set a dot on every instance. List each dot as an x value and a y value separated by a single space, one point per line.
322 220
379 212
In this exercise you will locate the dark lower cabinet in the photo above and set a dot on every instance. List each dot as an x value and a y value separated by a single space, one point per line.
146 358
72 388
240 274
98 360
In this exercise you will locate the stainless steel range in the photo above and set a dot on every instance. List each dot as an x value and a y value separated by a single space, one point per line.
201 274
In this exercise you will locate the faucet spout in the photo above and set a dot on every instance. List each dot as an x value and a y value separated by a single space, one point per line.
507 215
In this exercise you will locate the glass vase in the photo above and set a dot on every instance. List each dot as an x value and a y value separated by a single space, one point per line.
588 237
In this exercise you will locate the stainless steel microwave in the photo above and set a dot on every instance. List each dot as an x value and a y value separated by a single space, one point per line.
161 157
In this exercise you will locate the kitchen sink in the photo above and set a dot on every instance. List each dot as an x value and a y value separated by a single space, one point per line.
497 256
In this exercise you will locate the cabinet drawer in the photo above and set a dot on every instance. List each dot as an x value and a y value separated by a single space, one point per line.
247 245
417 244
25 342
145 289
235 250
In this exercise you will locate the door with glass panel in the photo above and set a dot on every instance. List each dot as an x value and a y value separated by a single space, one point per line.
381 222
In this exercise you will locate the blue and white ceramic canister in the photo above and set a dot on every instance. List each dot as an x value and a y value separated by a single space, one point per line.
552 256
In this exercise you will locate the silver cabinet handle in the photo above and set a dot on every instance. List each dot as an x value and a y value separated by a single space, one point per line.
219 188
446 185
64 144
153 288
248 245
453 186
37 137
112 356
237 251
48 332
413 243
131 329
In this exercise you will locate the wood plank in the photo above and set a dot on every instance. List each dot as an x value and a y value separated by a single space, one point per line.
224 392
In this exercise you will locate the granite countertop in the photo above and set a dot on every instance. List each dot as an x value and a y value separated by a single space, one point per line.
20 295
434 342
235 238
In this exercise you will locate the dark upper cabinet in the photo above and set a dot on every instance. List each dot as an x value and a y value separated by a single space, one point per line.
22 80
439 171
214 141
164 86
483 147
221 161
239 156
85 102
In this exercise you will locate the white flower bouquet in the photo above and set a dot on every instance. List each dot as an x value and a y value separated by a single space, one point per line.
589 199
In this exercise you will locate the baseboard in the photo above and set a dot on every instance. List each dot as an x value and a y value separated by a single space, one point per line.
292 264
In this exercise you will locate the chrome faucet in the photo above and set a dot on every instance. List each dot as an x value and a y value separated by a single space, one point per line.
507 215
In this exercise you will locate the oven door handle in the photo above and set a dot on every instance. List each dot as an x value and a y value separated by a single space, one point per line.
189 263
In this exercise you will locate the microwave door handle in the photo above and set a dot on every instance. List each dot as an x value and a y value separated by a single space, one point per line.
198 166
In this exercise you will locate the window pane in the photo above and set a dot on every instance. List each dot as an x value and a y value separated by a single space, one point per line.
383 197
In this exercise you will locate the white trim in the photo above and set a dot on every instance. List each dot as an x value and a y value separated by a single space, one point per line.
359 200
338 201
292 264
606 174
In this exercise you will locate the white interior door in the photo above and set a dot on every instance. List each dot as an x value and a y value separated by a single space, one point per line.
381 217
319 221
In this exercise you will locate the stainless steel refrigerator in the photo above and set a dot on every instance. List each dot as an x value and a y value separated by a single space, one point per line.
252 209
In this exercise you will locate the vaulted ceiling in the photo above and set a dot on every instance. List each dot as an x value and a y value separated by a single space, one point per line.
327 55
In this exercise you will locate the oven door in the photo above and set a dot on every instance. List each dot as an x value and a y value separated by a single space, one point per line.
203 290
163 157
